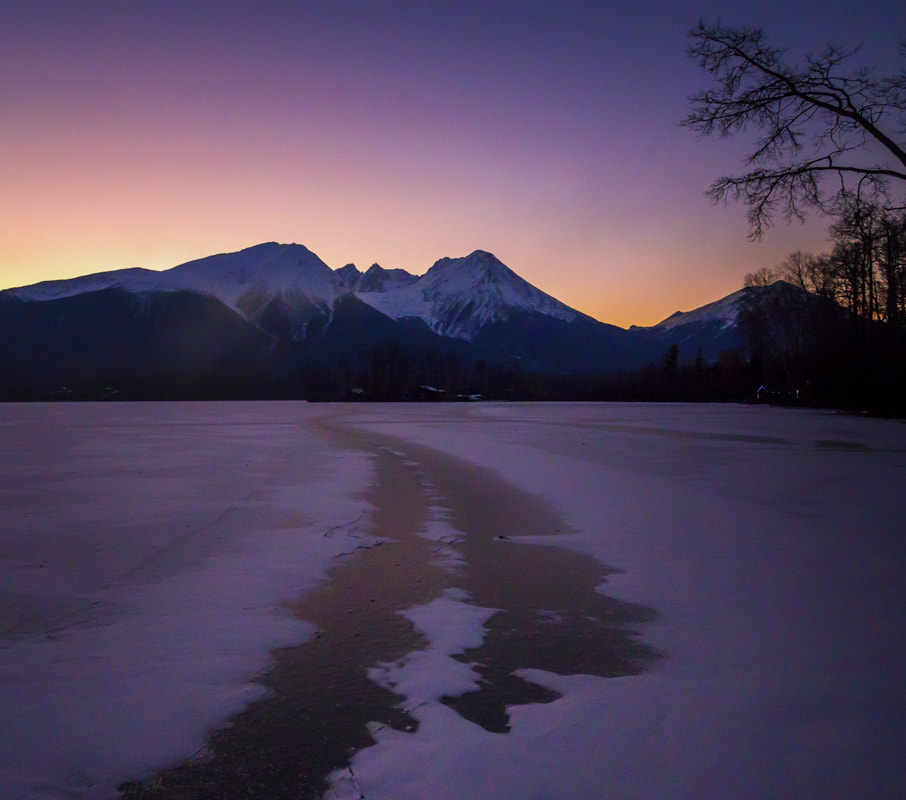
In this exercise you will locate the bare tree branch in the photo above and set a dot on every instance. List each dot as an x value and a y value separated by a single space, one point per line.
813 120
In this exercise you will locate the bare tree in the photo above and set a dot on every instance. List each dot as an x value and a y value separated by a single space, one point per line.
817 120
761 278
800 269
870 259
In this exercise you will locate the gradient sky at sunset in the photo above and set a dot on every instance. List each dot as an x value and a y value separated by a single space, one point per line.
151 133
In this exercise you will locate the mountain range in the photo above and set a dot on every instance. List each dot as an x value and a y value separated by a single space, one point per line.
275 320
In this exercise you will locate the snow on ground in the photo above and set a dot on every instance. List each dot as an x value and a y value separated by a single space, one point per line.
771 542
451 626
145 550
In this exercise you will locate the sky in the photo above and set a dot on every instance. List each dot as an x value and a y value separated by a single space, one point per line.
147 134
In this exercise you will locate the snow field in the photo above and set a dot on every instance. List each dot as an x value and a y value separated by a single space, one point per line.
771 543
146 551
195 572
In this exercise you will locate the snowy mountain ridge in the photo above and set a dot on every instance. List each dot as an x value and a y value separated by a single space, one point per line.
723 313
262 269
291 295
274 320
374 279
135 279
455 297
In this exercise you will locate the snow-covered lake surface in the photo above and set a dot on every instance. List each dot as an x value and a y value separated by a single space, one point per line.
150 554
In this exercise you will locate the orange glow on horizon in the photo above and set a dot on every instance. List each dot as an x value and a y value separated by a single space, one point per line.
161 134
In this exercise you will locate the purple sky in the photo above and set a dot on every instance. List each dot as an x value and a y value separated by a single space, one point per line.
150 133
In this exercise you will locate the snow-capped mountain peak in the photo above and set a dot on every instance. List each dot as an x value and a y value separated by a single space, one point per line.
349 275
476 271
457 296
262 271
134 279
375 278
722 313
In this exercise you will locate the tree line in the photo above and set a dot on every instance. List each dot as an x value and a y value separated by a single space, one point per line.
835 331
829 136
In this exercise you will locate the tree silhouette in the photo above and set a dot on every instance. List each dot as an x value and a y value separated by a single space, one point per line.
823 118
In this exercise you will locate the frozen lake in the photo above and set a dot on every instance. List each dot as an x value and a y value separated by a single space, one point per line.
154 558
